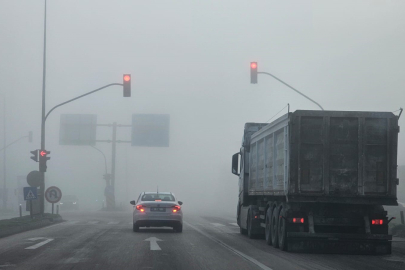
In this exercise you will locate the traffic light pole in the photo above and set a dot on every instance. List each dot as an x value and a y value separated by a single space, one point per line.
127 93
291 88
42 185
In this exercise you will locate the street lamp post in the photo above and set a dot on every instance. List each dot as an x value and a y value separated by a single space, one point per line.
105 159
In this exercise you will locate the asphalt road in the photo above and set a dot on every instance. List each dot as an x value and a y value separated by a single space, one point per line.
105 240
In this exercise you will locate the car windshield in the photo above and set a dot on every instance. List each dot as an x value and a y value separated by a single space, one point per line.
157 197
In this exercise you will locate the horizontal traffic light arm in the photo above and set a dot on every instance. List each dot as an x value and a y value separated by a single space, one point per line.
291 88
91 92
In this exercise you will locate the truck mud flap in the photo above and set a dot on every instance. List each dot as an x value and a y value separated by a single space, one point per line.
339 244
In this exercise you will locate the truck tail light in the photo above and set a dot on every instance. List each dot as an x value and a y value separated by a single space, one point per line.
298 220
377 222
140 208
176 208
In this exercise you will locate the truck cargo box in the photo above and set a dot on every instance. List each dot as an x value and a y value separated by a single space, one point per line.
326 156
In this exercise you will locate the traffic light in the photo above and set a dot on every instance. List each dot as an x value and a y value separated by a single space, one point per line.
127 85
253 72
43 157
35 155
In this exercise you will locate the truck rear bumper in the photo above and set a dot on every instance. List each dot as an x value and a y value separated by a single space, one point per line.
339 243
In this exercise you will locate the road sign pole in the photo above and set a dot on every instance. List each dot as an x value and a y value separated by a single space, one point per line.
52 209
31 209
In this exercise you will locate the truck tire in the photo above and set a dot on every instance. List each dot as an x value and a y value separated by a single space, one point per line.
242 231
274 227
249 226
282 229
267 230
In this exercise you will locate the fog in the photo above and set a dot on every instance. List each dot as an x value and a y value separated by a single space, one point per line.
189 59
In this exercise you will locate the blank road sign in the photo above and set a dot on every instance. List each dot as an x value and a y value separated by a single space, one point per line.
78 129
151 130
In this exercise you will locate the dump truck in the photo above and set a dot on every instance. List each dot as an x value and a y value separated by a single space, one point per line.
316 181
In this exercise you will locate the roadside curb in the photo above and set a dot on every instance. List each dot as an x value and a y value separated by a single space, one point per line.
28 227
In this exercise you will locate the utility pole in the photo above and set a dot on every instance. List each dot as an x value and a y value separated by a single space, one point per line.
110 179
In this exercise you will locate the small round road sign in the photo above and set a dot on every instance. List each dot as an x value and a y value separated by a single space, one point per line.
53 194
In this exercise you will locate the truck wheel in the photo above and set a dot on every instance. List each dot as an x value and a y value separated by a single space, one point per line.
267 230
282 230
274 227
249 226
241 230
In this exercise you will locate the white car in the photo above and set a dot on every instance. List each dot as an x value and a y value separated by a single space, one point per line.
157 209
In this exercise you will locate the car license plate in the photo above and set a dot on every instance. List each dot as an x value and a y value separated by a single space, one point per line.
158 209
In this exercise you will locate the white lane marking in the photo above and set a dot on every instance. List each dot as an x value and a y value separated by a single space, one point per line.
7 265
217 224
40 244
234 224
153 243
93 222
237 252
113 222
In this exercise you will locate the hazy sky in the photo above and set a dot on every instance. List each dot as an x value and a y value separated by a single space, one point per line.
189 59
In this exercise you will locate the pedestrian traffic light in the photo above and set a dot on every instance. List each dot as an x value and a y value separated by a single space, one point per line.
253 72
127 85
43 157
35 155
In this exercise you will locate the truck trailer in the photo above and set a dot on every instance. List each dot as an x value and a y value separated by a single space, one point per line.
316 181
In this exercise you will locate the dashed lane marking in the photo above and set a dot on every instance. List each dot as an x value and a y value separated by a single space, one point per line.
93 222
218 224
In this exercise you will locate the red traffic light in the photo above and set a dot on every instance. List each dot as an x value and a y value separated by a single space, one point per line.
43 153
127 85
127 78
253 72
